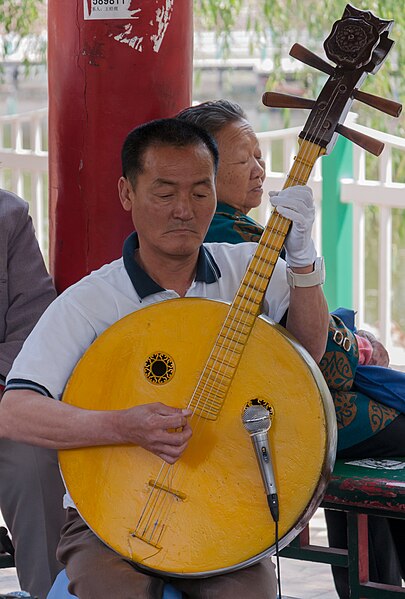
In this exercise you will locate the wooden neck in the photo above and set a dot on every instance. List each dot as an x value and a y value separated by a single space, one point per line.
254 283
246 306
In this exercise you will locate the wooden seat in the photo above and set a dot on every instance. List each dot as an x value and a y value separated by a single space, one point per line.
368 488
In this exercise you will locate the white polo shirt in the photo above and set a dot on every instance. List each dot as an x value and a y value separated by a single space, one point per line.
80 314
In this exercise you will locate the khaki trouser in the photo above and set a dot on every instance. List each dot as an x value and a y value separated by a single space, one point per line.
97 572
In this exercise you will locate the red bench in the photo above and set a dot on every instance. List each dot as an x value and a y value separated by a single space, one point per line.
359 491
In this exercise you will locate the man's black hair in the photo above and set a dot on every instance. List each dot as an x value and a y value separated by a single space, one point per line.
162 132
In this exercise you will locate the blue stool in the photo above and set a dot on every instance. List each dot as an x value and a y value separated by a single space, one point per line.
59 589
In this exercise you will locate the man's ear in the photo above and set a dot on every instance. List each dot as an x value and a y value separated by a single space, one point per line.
125 192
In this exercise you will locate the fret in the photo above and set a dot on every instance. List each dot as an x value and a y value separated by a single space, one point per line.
252 299
228 349
297 181
277 239
273 248
215 397
253 277
223 362
232 345
221 348
266 260
242 336
307 163
221 369
240 318
277 232
257 279
249 288
206 399
217 387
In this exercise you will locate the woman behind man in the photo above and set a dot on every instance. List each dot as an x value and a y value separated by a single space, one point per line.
239 184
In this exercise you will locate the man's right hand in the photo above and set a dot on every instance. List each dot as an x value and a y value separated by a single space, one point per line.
158 428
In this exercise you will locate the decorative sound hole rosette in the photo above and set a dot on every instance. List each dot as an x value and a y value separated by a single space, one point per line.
159 368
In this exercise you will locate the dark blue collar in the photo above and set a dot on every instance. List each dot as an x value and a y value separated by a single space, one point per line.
207 269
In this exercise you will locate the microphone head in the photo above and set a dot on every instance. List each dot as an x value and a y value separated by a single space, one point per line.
256 419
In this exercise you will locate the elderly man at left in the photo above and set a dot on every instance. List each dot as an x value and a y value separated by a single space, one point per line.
31 489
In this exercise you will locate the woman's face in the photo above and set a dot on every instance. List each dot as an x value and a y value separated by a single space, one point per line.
241 168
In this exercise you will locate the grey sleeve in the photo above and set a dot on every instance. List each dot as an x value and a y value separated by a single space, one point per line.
26 289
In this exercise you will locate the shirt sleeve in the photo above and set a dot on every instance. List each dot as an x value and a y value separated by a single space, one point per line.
53 349
30 288
277 297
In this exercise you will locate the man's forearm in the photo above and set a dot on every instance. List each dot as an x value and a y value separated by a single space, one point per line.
308 319
32 418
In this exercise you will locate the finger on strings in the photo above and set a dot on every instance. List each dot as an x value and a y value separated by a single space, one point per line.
175 438
173 421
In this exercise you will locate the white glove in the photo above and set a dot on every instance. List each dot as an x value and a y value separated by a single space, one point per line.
297 204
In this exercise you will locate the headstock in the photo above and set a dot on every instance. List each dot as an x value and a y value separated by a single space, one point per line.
358 45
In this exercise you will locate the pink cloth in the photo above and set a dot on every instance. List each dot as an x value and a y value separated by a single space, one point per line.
365 349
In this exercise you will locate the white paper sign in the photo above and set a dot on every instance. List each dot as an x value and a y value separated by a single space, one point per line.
109 9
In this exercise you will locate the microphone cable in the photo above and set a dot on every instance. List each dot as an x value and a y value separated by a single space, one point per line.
278 563
272 501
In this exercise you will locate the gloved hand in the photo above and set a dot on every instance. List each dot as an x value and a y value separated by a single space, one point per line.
297 204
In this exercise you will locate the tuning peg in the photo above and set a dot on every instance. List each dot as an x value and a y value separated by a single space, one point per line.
277 100
311 59
388 106
364 141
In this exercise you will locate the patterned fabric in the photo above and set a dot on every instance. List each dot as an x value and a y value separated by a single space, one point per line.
231 225
340 360
358 416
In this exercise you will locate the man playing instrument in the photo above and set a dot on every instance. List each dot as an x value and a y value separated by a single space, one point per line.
168 186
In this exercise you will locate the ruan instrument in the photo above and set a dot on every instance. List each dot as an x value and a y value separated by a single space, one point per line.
208 513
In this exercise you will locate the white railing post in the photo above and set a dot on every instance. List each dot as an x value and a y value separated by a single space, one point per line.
384 276
358 263
21 164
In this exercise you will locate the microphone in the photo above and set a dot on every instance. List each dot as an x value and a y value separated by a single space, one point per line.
256 420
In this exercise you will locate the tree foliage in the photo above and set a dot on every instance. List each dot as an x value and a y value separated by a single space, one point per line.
275 23
280 23
17 21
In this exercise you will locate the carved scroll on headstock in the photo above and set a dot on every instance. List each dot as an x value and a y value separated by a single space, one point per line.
358 45
359 40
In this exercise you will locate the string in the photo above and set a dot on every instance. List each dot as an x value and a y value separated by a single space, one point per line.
239 312
297 178
246 281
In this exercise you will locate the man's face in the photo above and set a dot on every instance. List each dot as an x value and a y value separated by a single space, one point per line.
173 200
241 168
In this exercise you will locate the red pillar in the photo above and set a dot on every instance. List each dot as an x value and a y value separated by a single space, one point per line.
130 62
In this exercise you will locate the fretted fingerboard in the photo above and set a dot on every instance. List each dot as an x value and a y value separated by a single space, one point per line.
215 380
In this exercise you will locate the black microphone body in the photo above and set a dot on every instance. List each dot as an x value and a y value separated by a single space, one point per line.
256 420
